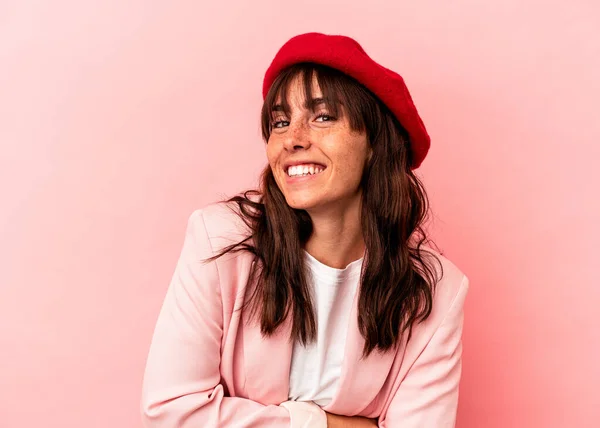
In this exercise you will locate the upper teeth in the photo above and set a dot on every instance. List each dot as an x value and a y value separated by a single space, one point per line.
304 169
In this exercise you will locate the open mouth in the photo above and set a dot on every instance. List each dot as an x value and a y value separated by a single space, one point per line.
305 170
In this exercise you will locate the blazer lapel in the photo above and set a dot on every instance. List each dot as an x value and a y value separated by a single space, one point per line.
267 362
361 379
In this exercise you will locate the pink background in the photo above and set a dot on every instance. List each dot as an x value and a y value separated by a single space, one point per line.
117 119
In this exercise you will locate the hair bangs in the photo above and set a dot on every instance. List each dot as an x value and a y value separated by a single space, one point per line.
336 92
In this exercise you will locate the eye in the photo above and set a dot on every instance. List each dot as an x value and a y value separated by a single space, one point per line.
326 117
277 123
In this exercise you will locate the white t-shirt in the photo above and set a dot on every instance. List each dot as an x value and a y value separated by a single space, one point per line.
315 370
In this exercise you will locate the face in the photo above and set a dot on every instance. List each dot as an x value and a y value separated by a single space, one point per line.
316 138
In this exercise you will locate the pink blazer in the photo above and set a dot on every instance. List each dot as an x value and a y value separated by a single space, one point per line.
207 368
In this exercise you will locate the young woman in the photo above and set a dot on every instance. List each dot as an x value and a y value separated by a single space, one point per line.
314 301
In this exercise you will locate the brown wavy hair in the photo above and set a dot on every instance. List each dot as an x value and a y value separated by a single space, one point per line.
397 277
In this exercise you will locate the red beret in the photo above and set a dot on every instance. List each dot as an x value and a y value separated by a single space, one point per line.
346 55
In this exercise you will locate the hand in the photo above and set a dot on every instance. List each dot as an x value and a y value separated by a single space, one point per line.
338 421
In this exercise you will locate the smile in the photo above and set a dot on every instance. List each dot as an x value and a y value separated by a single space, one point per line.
304 170
301 177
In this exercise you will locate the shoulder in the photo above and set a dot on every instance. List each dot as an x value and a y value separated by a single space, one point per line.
221 222
450 291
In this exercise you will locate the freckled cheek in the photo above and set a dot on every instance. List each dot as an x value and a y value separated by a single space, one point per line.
272 153
350 169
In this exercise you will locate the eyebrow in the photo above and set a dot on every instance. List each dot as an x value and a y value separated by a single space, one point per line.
308 104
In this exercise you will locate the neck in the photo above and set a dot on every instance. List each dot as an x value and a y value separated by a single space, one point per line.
337 239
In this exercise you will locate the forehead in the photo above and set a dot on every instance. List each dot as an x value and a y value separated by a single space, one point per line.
303 92
295 91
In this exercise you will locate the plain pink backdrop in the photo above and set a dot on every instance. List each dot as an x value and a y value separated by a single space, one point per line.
117 119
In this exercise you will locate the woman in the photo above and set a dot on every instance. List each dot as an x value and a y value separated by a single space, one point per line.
314 301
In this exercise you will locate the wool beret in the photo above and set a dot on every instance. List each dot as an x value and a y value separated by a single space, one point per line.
346 55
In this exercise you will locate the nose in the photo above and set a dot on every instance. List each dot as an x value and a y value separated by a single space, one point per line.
297 136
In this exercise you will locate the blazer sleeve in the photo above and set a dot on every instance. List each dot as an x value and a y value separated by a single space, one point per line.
428 395
181 385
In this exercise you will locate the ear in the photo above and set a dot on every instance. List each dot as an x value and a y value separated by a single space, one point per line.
370 154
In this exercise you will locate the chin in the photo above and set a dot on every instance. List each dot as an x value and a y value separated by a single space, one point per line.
302 203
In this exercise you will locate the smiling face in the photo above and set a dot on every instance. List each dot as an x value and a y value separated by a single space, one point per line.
313 134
